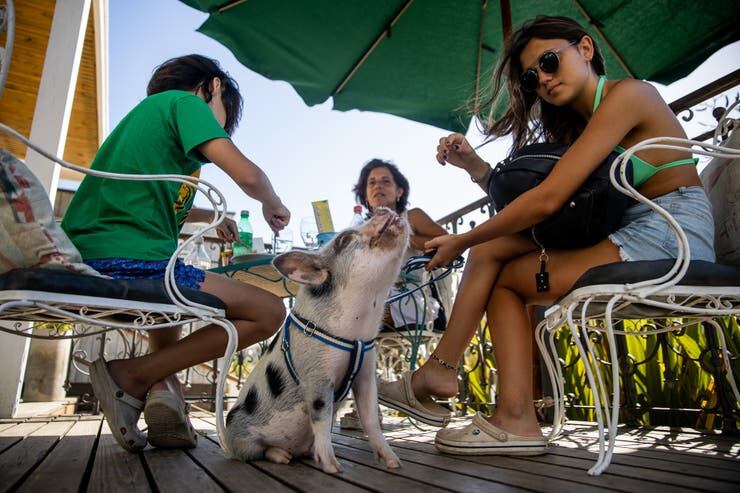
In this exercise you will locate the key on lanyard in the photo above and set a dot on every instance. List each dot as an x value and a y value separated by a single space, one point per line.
542 278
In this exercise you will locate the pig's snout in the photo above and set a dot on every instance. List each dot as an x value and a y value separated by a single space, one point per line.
385 227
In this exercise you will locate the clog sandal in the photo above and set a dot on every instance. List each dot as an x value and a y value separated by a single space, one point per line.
398 395
121 410
166 415
482 438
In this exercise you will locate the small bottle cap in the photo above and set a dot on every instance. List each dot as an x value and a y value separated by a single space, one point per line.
358 209
245 213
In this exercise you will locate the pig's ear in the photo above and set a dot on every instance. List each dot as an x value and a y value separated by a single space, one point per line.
303 268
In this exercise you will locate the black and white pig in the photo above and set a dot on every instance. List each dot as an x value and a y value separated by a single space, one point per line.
287 405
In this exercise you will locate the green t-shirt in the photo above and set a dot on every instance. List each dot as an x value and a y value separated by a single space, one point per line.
142 219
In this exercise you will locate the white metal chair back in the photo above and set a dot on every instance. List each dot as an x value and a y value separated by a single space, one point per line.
187 310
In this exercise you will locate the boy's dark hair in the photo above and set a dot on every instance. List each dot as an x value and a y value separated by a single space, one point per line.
360 188
193 72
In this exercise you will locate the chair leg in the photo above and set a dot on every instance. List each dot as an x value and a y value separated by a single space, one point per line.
629 407
223 372
724 393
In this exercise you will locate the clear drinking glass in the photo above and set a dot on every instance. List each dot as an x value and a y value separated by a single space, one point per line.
309 232
283 240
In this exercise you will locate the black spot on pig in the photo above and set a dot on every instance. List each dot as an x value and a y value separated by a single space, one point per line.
318 404
250 402
275 381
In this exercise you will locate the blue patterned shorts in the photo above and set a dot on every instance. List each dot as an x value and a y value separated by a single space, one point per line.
125 268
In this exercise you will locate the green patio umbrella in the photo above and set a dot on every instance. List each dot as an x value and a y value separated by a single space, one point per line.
424 59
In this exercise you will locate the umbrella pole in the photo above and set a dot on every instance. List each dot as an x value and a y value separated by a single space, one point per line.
505 18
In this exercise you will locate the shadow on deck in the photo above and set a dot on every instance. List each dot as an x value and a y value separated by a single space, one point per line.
78 453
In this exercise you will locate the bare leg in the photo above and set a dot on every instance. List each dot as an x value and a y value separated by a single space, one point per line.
255 313
159 339
511 332
481 271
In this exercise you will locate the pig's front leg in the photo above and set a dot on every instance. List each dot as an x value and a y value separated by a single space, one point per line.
365 390
320 401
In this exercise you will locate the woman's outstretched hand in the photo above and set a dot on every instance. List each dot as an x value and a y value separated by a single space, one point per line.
456 150
448 248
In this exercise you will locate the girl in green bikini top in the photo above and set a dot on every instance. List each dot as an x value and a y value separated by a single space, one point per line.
642 171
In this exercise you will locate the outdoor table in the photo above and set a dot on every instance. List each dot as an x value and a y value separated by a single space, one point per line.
257 269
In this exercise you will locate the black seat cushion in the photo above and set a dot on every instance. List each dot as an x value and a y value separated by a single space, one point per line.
700 273
59 281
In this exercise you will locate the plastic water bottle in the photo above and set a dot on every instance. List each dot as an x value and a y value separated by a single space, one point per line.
357 218
198 256
244 246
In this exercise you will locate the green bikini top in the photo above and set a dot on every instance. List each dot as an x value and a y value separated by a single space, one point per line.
642 171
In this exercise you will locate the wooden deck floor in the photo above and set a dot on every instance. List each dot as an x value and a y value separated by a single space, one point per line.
78 453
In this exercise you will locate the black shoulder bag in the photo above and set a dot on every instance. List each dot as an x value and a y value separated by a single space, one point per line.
589 216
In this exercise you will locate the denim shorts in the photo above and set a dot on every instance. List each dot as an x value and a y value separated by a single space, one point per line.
125 268
645 235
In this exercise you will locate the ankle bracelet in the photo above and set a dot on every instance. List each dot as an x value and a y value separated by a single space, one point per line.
442 362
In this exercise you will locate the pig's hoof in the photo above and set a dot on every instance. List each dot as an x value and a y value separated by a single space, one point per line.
278 455
390 459
331 468
329 464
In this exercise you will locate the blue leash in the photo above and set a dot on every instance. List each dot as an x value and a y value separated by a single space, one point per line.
418 262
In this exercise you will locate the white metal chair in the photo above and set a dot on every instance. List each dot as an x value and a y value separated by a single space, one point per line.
96 305
692 291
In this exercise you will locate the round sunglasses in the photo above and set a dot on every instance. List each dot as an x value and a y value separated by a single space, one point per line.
549 63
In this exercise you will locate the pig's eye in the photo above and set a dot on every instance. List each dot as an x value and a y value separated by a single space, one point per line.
344 239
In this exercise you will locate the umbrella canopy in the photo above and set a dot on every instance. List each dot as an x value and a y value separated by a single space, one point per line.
424 59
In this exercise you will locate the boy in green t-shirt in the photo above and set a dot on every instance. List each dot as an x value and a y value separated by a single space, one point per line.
129 230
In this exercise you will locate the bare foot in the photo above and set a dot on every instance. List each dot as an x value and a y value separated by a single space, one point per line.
433 379
169 384
119 371
525 426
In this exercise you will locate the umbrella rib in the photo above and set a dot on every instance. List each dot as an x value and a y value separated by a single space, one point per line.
606 40
228 5
369 51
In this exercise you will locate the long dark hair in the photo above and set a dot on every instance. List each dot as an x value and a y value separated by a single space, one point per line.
527 117
360 188
193 72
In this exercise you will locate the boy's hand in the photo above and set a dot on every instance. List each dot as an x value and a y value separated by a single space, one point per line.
277 217
227 230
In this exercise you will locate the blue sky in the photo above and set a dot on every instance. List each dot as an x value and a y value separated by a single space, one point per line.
311 153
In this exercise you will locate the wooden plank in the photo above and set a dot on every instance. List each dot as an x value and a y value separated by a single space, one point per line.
644 452
10 436
305 478
116 470
174 471
645 471
24 456
498 470
62 470
5 426
617 476
296 474
655 461
376 479
684 446
425 477
233 474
